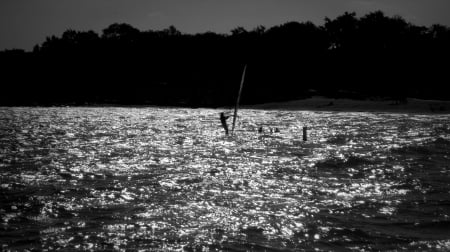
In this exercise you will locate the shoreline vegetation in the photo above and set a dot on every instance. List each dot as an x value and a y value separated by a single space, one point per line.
348 57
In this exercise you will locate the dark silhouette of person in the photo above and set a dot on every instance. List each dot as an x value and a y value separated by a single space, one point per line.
223 120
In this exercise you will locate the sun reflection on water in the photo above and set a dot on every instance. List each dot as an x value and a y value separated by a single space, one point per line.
140 178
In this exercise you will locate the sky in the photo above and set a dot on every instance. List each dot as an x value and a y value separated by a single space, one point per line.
25 23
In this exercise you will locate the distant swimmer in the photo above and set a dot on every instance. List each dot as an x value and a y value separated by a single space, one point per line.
223 120
260 130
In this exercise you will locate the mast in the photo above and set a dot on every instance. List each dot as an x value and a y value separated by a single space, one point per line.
238 99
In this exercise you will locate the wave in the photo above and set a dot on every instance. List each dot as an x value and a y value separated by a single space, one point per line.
437 146
338 140
337 162
442 141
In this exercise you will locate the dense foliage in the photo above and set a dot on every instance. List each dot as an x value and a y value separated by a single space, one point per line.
349 56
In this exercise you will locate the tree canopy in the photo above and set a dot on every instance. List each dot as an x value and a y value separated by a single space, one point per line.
354 57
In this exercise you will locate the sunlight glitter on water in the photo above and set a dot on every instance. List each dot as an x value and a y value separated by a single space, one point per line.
139 178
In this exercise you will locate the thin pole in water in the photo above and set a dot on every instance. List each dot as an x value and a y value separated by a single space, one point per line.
238 99
305 133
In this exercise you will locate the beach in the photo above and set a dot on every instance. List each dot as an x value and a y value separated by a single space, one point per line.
318 103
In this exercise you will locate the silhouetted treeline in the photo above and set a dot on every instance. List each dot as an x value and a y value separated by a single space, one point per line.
349 56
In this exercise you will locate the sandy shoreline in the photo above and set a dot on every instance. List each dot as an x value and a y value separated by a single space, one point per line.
329 104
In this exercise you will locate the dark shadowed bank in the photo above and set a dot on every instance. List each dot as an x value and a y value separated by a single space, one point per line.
351 57
316 103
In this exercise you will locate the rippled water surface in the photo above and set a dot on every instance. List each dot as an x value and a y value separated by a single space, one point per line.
168 179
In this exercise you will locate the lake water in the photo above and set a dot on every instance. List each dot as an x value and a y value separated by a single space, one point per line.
130 179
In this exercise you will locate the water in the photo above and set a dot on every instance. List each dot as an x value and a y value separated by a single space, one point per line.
168 180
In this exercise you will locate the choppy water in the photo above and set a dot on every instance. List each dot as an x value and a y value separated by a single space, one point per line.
167 179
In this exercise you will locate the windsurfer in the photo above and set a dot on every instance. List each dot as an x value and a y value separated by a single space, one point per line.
223 120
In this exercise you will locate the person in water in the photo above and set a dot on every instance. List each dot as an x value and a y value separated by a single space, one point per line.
223 120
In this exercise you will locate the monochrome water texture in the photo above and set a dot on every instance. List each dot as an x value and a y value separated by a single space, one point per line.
168 179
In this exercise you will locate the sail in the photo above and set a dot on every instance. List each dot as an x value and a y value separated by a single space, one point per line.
238 99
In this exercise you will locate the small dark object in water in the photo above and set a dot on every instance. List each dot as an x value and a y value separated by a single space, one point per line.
277 130
260 130
305 129
213 172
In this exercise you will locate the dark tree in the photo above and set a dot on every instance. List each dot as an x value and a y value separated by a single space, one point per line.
355 57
